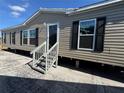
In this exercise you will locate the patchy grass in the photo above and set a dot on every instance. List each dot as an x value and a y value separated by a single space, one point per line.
0 46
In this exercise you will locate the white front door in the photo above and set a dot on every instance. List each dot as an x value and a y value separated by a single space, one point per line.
52 35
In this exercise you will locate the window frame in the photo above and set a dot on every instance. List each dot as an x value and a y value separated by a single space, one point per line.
33 37
23 37
4 37
94 35
28 37
12 38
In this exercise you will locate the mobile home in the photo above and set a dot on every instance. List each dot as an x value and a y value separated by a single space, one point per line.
93 33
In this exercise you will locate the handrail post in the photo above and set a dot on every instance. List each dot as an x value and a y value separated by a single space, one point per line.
33 58
46 58
57 50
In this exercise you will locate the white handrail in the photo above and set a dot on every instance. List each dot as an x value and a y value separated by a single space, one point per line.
36 49
52 48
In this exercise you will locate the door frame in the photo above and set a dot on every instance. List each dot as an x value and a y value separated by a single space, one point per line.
47 34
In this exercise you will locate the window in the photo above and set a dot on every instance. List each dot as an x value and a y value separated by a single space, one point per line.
25 37
13 37
29 37
10 37
4 38
86 34
32 37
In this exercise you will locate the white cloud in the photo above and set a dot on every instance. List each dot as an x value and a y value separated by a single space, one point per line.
17 8
15 14
25 5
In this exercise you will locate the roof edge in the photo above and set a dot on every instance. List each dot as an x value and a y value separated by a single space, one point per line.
94 6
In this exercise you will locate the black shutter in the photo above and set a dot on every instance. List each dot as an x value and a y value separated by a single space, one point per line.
100 32
5 38
2 38
10 37
20 37
14 37
74 38
37 35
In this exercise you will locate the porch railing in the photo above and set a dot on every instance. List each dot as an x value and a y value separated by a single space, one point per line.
38 53
44 59
52 56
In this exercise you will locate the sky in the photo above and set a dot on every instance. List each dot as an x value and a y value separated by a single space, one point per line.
14 12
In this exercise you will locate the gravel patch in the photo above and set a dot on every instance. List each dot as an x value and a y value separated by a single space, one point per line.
17 77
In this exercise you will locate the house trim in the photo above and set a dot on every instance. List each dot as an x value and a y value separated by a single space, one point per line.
105 3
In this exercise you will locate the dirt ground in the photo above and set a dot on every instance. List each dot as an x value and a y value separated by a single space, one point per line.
17 77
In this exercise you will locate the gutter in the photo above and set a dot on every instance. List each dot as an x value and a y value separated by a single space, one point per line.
93 6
